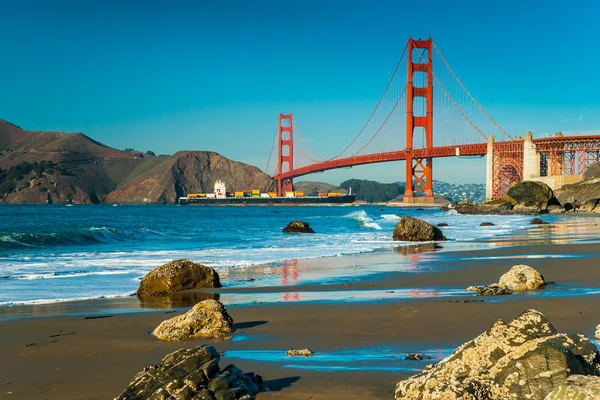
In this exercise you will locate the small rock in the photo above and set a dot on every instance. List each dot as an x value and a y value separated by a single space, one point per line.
207 319
410 229
490 290
522 277
414 357
487 224
176 276
536 221
298 227
300 353
442 224
597 334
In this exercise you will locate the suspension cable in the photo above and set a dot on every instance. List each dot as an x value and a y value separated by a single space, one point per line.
469 94
297 127
383 123
272 147
377 106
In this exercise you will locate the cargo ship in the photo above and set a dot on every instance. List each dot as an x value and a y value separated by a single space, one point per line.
221 196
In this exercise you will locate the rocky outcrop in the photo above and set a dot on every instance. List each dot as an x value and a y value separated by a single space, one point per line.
597 333
442 224
526 197
530 196
410 229
522 359
487 224
577 387
207 319
522 277
192 374
298 227
176 276
536 221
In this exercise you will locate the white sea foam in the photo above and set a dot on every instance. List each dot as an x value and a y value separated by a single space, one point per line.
364 219
390 217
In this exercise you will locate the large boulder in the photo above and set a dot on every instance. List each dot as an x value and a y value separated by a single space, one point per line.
176 276
298 227
192 374
593 172
410 229
529 196
523 359
207 319
574 196
489 290
577 387
522 277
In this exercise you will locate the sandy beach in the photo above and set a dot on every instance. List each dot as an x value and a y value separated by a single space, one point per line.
360 328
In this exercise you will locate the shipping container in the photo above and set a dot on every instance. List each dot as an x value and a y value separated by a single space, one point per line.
299 194
239 194
210 195
192 195
272 194
322 194
201 195
254 191
289 194
264 195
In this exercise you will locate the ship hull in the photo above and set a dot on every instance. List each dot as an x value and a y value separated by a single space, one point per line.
268 201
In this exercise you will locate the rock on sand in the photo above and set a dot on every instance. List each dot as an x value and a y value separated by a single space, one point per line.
522 277
192 374
176 276
207 319
522 359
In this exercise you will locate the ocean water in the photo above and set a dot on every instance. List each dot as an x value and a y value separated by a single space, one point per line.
53 253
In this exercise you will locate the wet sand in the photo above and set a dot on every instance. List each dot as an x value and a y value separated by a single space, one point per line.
359 345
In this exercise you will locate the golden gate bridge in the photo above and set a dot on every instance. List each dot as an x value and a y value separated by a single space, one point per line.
445 122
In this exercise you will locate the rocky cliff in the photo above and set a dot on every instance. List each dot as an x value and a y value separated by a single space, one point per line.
56 167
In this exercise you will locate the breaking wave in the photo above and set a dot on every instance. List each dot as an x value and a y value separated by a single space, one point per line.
364 219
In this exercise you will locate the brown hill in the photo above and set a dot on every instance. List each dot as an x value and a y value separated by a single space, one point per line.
62 167
190 172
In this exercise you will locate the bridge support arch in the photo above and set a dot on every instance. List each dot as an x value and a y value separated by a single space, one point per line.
285 153
419 171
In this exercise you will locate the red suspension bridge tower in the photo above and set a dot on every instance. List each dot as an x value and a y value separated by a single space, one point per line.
419 170
285 153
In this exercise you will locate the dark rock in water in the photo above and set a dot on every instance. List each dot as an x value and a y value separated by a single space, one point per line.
192 374
490 290
522 359
298 227
176 276
442 224
536 221
207 319
415 230
487 224
414 357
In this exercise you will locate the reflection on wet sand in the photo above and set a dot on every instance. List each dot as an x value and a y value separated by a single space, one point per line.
379 358
178 300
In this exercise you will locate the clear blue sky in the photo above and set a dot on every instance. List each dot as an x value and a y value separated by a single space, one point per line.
214 75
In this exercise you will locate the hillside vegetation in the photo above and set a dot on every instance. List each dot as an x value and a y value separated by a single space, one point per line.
371 191
57 167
